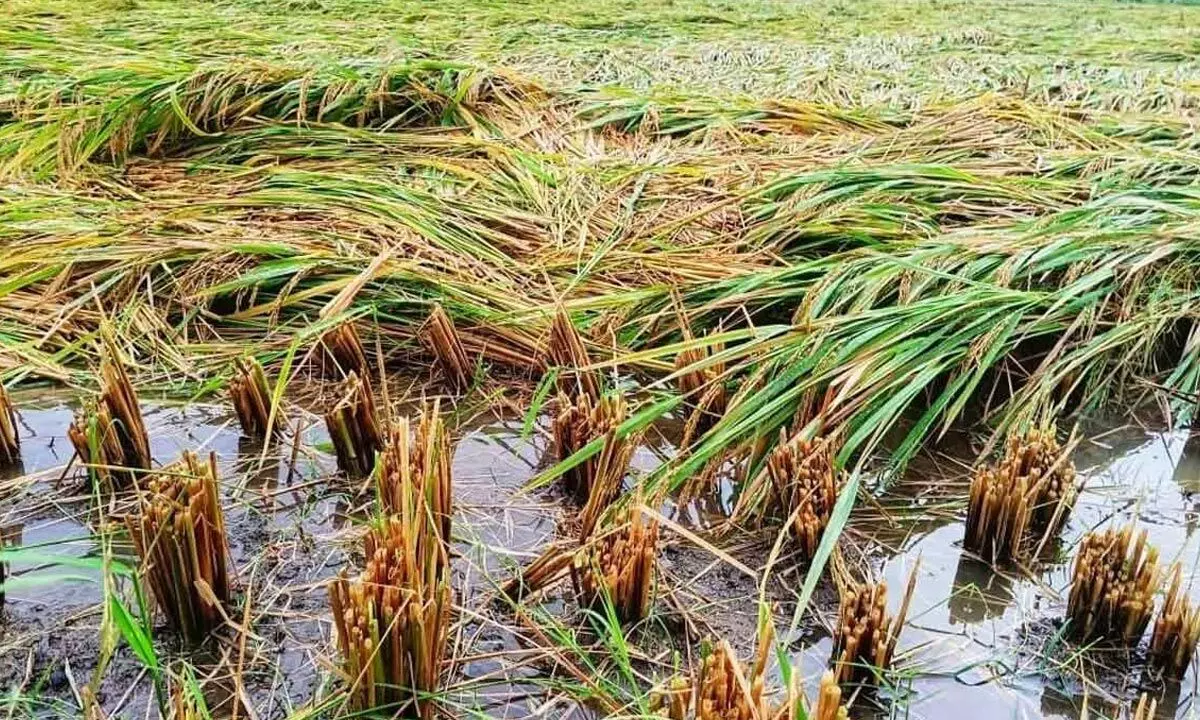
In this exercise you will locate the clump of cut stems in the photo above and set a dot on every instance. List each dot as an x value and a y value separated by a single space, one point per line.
1145 709
392 621
250 394
799 485
8 538
178 532
579 423
110 434
1023 500
866 634
417 464
10 439
619 564
346 348
1112 587
354 427
440 336
1176 630
569 354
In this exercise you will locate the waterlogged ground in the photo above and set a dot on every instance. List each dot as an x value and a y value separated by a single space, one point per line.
977 641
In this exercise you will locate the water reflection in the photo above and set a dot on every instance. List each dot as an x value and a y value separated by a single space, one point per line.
979 593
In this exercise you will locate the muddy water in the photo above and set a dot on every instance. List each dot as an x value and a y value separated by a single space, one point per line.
977 641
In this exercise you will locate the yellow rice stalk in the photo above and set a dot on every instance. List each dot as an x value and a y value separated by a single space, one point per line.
250 394
9 536
673 701
620 563
10 439
439 335
865 637
179 535
581 422
549 567
1145 708
122 446
354 428
1176 631
343 344
1113 585
567 352
417 464
829 700
1021 500
392 621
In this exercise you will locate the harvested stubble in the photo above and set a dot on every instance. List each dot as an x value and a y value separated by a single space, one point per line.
801 484
392 621
8 538
1113 585
619 563
354 428
344 345
1145 708
1021 501
865 638
1176 630
10 439
440 336
417 464
579 423
114 421
179 535
250 394
722 689
569 354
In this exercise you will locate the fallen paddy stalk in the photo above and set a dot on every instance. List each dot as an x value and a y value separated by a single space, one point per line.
703 386
250 394
440 336
109 434
178 532
1176 630
354 427
8 538
1112 587
1019 503
865 638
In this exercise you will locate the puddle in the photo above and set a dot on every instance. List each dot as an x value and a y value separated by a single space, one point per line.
977 641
